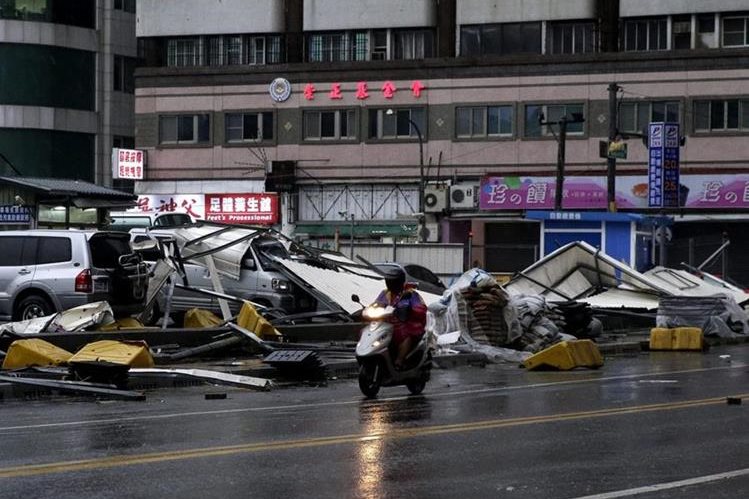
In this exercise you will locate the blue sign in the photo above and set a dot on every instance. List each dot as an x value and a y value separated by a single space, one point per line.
12 214
663 165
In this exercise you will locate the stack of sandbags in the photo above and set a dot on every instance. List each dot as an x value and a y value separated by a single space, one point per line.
485 313
537 320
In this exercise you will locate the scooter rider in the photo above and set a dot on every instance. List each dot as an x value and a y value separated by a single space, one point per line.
410 312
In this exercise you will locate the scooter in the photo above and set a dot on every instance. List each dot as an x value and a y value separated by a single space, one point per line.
375 354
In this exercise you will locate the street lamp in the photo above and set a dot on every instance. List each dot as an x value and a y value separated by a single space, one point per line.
561 150
390 112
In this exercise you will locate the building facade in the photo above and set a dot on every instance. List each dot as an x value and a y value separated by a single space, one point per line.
379 115
66 86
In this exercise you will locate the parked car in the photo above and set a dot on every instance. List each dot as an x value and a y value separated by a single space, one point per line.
46 271
126 220
424 278
259 280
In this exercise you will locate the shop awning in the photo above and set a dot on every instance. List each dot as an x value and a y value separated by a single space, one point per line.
78 192
364 229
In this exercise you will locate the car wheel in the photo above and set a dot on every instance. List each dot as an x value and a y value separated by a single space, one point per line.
33 306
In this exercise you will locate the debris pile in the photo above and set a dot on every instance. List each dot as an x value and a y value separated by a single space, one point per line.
717 315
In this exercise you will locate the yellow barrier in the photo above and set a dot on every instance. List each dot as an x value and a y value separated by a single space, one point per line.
34 352
199 318
133 354
678 338
566 355
252 321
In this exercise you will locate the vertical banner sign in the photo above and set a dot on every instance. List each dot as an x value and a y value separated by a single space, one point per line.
671 165
655 165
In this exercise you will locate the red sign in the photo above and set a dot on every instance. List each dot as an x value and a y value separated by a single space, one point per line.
362 90
127 164
248 208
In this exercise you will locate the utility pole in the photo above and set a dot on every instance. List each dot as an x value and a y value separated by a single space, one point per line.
561 154
561 151
611 162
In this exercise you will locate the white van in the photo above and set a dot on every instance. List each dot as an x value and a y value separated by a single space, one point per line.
126 220
258 281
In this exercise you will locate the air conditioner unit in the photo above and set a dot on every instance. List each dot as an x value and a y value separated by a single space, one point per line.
463 196
435 198
431 232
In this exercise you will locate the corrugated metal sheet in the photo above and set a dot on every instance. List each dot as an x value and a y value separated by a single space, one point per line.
445 260
339 286
619 298
228 261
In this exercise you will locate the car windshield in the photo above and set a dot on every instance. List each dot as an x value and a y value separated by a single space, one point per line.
269 248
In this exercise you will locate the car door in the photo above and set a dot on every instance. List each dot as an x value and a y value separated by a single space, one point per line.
17 267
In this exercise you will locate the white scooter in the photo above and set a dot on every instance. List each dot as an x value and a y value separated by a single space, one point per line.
375 355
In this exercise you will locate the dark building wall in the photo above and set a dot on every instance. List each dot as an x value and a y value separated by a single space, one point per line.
49 153
42 75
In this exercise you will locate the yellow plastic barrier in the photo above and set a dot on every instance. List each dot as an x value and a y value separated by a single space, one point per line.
124 323
252 321
199 318
678 338
34 352
133 354
567 355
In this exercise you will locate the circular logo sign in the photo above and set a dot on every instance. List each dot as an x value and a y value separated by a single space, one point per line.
280 89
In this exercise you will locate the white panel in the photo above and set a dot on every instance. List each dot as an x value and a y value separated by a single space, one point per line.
367 14
205 17
632 8
485 12
366 202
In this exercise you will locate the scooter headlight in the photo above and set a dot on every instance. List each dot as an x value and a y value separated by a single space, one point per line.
374 313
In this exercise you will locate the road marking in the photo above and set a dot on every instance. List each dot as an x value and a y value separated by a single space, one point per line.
356 401
669 485
388 434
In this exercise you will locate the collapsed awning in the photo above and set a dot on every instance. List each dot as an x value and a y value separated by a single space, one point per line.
578 271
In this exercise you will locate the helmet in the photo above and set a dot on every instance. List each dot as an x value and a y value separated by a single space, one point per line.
395 278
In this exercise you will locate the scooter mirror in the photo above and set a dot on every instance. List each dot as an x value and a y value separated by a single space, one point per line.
355 299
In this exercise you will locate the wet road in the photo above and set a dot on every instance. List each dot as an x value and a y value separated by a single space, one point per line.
655 424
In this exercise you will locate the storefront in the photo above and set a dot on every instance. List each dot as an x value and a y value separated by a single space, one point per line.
28 202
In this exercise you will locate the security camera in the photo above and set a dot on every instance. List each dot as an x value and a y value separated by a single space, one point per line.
18 201
342 213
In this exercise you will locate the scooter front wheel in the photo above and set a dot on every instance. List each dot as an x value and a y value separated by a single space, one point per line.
416 387
369 382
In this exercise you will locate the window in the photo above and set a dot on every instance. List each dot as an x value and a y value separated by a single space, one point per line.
484 121
645 34
256 50
330 125
534 113
681 32
328 47
379 45
249 127
232 50
125 5
413 44
124 74
398 124
570 38
184 129
706 31
182 52
636 116
16 251
500 39
735 33
54 250
721 115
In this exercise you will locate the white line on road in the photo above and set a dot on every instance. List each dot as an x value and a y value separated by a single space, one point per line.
357 401
669 485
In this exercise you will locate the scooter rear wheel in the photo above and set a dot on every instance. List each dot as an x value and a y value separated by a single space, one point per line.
369 384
